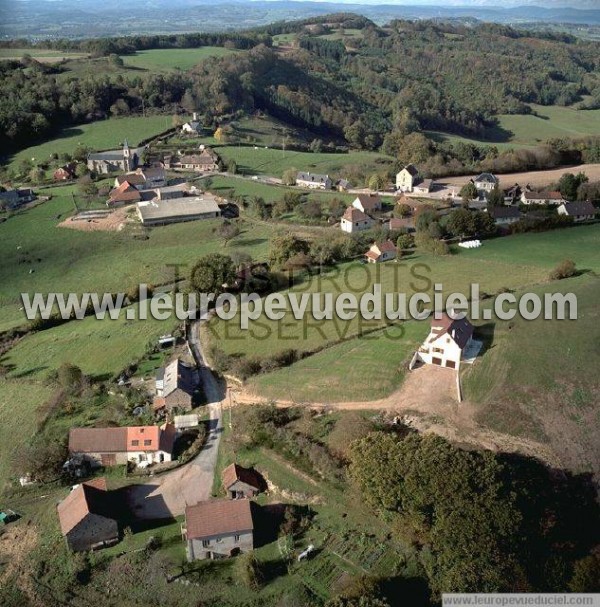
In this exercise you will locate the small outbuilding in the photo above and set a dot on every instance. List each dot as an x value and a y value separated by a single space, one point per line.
241 482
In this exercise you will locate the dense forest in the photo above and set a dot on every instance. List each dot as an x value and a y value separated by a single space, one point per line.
379 93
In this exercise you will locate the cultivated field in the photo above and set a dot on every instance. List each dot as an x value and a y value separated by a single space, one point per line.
101 135
160 60
39 54
537 179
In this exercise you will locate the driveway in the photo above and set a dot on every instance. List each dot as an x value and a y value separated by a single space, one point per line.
168 495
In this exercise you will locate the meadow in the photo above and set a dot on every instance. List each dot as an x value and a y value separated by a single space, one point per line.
68 260
529 130
160 60
100 135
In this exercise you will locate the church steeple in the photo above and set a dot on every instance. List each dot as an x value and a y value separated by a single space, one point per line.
127 156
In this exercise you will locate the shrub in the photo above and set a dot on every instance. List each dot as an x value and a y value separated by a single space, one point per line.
564 269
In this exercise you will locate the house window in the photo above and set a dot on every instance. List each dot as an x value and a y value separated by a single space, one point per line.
438 350
205 543
135 443
147 443
236 538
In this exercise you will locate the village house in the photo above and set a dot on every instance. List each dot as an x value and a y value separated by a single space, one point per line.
206 161
160 212
86 517
193 127
65 172
550 198
12 199
447 340
579 211
400 224
512 196
381 252
343 185
142 445
505 216
407 178
143 178
367 203
423 187
314 181
218 529
178 190
124 194
174 387
111 161
354 220
240 482
485 183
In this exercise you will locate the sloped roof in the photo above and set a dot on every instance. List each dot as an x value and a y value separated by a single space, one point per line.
90 497
460 330
177 375
354 214
218 517
115 440
312 177
504 212
486 178
125 192
234 473
551 195
412 169
580 208
369 202
131 178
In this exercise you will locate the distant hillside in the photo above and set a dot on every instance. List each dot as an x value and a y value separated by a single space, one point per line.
50 19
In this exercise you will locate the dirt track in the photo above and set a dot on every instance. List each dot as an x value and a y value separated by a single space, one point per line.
533 178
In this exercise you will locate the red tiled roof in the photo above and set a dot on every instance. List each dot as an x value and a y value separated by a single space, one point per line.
387 246
234 473
369 202
89 497
116 440
553 195
217 517
354 214
125 193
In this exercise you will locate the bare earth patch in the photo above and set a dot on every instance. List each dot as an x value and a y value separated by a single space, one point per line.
16 543
113 222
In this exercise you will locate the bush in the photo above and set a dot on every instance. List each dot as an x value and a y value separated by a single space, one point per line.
565 269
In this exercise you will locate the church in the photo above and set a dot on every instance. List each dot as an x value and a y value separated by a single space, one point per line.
125 159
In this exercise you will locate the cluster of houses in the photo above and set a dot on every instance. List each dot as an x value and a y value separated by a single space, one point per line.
91 517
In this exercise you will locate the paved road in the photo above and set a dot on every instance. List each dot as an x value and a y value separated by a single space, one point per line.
168 494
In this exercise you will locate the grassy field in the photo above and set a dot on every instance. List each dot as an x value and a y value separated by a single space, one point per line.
67 260
529 130
160 60
376 360
540 378
19 402
40 54
101 135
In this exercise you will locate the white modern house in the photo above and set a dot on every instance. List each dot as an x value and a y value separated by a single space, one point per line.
407 178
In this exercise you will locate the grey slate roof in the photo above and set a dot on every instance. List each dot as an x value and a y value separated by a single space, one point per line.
486 178
312 177
580 208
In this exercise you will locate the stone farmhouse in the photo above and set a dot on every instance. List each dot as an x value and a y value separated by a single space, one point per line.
111 161
579 211
86 517
218 529
446 342
206 161
143 178
381 252
126 193
174 387
314 181
141 445
241 482
367 203
354 220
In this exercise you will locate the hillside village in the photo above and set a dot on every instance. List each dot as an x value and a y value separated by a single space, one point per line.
187 462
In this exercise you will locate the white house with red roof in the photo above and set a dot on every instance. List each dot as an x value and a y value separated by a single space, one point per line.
383 251
447 340
367 203
355 220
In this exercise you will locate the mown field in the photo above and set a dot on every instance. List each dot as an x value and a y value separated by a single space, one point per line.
159 60
101 135
66 260
527 130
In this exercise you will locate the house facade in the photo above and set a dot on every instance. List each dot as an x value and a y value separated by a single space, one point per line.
485 182
579 211
423 187
86 519
141 445
379 252
367 203
407 178
240 482
174 387
550 198
218 529
447 340
314 181
354 220
204 162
